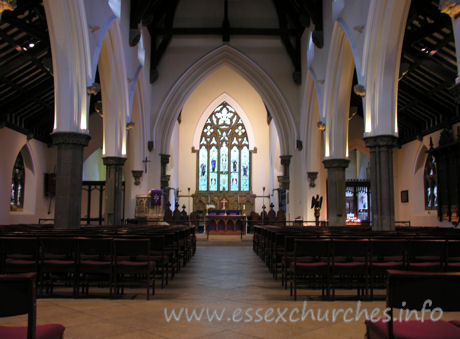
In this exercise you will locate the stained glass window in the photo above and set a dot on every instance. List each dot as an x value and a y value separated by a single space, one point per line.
431 183
17 184
234 165
224 148
245 169
203 169
213 169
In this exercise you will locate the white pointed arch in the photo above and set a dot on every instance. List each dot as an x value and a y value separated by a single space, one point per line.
211 107
336 98
384 36
67 22
114 90
248 69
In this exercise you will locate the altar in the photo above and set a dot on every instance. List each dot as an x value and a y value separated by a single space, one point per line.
225 222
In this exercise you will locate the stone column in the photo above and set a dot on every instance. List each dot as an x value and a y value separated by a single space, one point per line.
164 180
336 191
69 169
113 190
382 191
284 182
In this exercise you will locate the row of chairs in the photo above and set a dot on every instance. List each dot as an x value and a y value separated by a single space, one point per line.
377 250
361 264
80 262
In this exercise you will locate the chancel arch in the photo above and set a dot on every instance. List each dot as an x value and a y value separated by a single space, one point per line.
250 71
224 92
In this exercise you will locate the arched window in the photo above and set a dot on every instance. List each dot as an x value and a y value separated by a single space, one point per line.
224 160
431 183
17 184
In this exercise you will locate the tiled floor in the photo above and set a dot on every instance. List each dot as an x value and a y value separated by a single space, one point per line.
220 278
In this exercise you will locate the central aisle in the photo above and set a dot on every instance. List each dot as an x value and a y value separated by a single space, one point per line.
218 278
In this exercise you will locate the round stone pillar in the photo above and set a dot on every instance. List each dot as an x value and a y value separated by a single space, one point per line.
336 191
382 191
69 168
113 190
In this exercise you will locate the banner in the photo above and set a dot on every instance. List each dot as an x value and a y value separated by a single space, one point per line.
155 197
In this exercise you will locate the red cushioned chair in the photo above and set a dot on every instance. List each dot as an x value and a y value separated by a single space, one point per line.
426 255
350 265
95 263
160 257
17 296
385 254
58 264
453 256
19 254
414 288
311 265
132 265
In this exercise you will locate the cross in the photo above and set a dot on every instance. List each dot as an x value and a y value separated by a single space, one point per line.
224 203
145 161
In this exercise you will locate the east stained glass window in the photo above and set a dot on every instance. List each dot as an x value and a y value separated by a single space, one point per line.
224 157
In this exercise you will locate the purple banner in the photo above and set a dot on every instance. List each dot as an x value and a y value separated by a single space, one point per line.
155 197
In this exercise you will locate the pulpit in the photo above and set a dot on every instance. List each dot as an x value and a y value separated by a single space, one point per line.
225 222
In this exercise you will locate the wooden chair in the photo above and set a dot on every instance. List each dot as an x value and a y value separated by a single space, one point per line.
58 263
132 265
311 265
95 263
453 256
415 288
19 254
350 265
17 296
385 254
426 255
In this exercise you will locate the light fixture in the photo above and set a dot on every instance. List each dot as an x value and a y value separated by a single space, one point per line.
359 90
7 5
321 126
94 89
31 45
129 125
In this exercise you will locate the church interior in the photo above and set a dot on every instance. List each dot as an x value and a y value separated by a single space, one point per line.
228 154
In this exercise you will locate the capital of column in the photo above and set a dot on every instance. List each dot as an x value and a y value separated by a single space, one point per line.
381 141
113 161
285 159
71 138
164 158
336 163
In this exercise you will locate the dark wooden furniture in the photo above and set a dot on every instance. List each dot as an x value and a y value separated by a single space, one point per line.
17 296
414 289
225 224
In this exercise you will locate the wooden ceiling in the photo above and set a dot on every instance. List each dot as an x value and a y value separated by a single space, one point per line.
26 76
428 62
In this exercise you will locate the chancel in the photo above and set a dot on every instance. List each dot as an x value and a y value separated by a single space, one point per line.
227 152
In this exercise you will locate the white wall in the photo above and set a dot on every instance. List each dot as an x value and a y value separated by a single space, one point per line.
43 160
224 80
409 164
